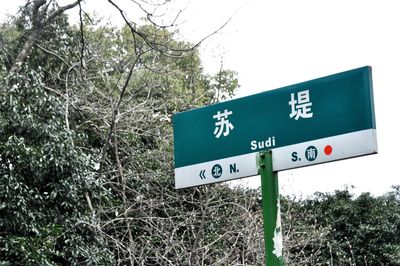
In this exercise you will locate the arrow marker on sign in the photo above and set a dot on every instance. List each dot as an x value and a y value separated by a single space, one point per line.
202 174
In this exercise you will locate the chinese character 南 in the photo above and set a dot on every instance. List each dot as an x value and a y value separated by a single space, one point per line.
311 153
222 126
300 105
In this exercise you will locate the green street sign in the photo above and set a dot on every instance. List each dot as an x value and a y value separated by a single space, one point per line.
317 121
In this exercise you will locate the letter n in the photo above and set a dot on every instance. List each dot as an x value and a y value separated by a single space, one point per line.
232 168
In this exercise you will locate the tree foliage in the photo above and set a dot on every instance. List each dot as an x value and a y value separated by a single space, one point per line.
341 229
86 145
45 173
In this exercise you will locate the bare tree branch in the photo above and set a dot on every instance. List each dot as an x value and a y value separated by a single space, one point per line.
157 46
39 21
115 113
60 10
82 34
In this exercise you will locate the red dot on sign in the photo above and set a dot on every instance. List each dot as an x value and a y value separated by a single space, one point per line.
328 149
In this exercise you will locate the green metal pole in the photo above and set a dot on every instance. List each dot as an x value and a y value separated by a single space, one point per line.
271 210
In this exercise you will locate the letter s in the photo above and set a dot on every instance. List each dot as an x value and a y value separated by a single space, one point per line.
253 145
294 157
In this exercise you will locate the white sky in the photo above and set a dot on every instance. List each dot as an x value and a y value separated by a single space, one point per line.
272 44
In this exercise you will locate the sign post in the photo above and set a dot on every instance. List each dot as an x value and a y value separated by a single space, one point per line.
317 121
271 210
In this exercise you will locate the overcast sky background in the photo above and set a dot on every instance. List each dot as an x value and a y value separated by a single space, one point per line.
272 44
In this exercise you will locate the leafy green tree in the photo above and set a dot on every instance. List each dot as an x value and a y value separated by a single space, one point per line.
45 173
361 230
86 145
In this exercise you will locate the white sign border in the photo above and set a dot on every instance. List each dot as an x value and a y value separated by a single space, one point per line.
343 146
